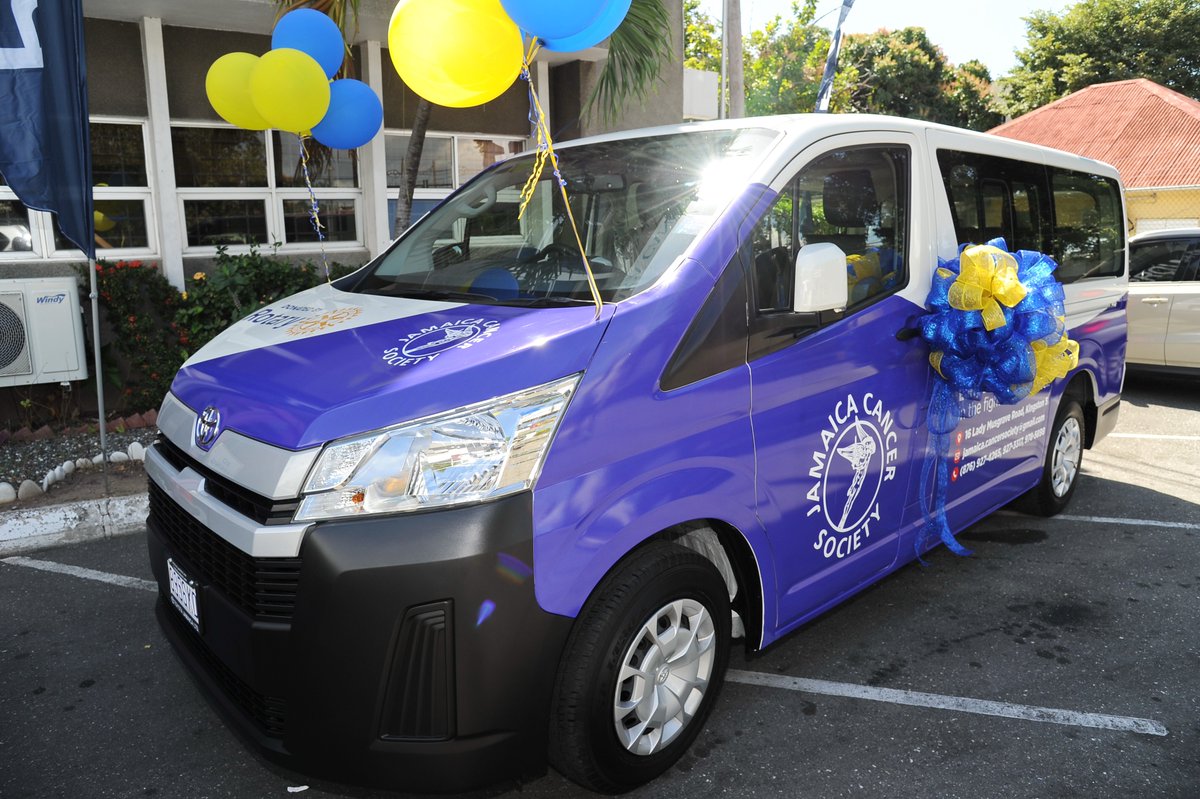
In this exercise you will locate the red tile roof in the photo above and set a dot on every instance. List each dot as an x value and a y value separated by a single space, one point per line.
1147 131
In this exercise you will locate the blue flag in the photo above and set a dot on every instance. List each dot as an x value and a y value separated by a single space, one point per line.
45 149
831 60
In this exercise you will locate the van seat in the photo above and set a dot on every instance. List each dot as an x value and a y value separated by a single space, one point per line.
848 243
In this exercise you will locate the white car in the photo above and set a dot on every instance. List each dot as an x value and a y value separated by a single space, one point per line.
1164 299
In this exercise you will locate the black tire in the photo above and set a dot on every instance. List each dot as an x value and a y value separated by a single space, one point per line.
1060 470
584 742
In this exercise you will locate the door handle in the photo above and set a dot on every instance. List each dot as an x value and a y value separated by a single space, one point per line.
1154 300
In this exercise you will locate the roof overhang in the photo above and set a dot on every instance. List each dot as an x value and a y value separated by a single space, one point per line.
258 16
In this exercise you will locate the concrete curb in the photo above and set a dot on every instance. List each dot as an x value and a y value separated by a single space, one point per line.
71 522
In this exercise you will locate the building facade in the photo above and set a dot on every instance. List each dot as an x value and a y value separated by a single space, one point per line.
173 182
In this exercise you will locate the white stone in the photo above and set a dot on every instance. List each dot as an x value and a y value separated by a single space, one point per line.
83 463
7 493
68 467
60 474
29 490
118 457
97 460
137 452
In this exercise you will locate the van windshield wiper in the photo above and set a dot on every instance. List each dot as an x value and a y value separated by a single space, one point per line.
447 295
546 302
450 295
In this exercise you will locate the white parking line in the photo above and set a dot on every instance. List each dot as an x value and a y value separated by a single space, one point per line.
1135 522
895 696
1068 517
960 703
1154 436
86 574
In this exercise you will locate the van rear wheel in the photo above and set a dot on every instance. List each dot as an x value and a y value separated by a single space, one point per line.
642 669
1060 472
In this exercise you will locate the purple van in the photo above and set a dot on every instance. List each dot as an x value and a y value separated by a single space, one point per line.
447 519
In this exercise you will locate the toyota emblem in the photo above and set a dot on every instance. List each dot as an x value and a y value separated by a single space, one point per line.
207 427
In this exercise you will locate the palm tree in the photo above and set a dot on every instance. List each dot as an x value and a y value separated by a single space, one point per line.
636 53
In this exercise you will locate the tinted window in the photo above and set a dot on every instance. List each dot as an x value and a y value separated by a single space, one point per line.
1155 261
327 168
1074 217
996 198
118 158
1089 231
219 157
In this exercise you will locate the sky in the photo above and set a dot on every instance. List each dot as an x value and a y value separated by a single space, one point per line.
964 29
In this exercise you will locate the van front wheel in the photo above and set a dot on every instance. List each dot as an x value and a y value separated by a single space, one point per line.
642 669
1060 472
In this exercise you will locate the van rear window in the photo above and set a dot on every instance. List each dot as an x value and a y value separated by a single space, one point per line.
1073 216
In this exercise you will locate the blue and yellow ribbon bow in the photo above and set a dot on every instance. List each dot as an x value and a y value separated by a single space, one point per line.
987 277
997 323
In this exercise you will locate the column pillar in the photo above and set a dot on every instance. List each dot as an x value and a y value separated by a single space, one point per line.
372 164
160 159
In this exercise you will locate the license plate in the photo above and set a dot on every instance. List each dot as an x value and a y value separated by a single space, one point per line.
183 594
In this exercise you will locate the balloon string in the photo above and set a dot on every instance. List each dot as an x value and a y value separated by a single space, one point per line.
545 152
314 209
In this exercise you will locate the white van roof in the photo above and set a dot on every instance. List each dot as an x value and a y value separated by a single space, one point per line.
816 126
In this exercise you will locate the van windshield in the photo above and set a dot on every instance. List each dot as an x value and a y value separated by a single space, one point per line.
638 205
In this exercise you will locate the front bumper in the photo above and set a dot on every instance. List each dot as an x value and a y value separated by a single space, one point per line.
405 652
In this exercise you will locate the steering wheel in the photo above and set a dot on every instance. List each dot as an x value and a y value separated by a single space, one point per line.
556 249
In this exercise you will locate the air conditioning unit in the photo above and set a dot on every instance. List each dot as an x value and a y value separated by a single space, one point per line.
41 332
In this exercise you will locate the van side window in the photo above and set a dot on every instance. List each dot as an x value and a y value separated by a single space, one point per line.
1073 216
856 198
996 197
1089 231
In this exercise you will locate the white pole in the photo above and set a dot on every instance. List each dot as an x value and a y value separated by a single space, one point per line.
95 296
724 46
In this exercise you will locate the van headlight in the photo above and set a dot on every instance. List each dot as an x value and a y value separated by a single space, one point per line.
466 455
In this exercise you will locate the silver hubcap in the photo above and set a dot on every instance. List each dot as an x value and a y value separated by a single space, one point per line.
664 675
1068 448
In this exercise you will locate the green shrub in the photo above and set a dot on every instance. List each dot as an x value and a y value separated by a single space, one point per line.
237 286
139 308
152 328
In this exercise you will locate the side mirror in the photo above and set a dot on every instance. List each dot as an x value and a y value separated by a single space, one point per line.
820 279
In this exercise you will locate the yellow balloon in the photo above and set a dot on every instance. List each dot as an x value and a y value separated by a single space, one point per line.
228 87
101 222
456 53
289 90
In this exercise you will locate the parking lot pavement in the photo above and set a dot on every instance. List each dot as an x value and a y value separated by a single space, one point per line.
1081 626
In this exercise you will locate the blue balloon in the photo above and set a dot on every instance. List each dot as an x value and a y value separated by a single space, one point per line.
311 32
611 17
354 116
553 19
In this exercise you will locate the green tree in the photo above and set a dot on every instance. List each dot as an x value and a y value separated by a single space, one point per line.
784 62
701 39
903 73
970 93
1096 41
